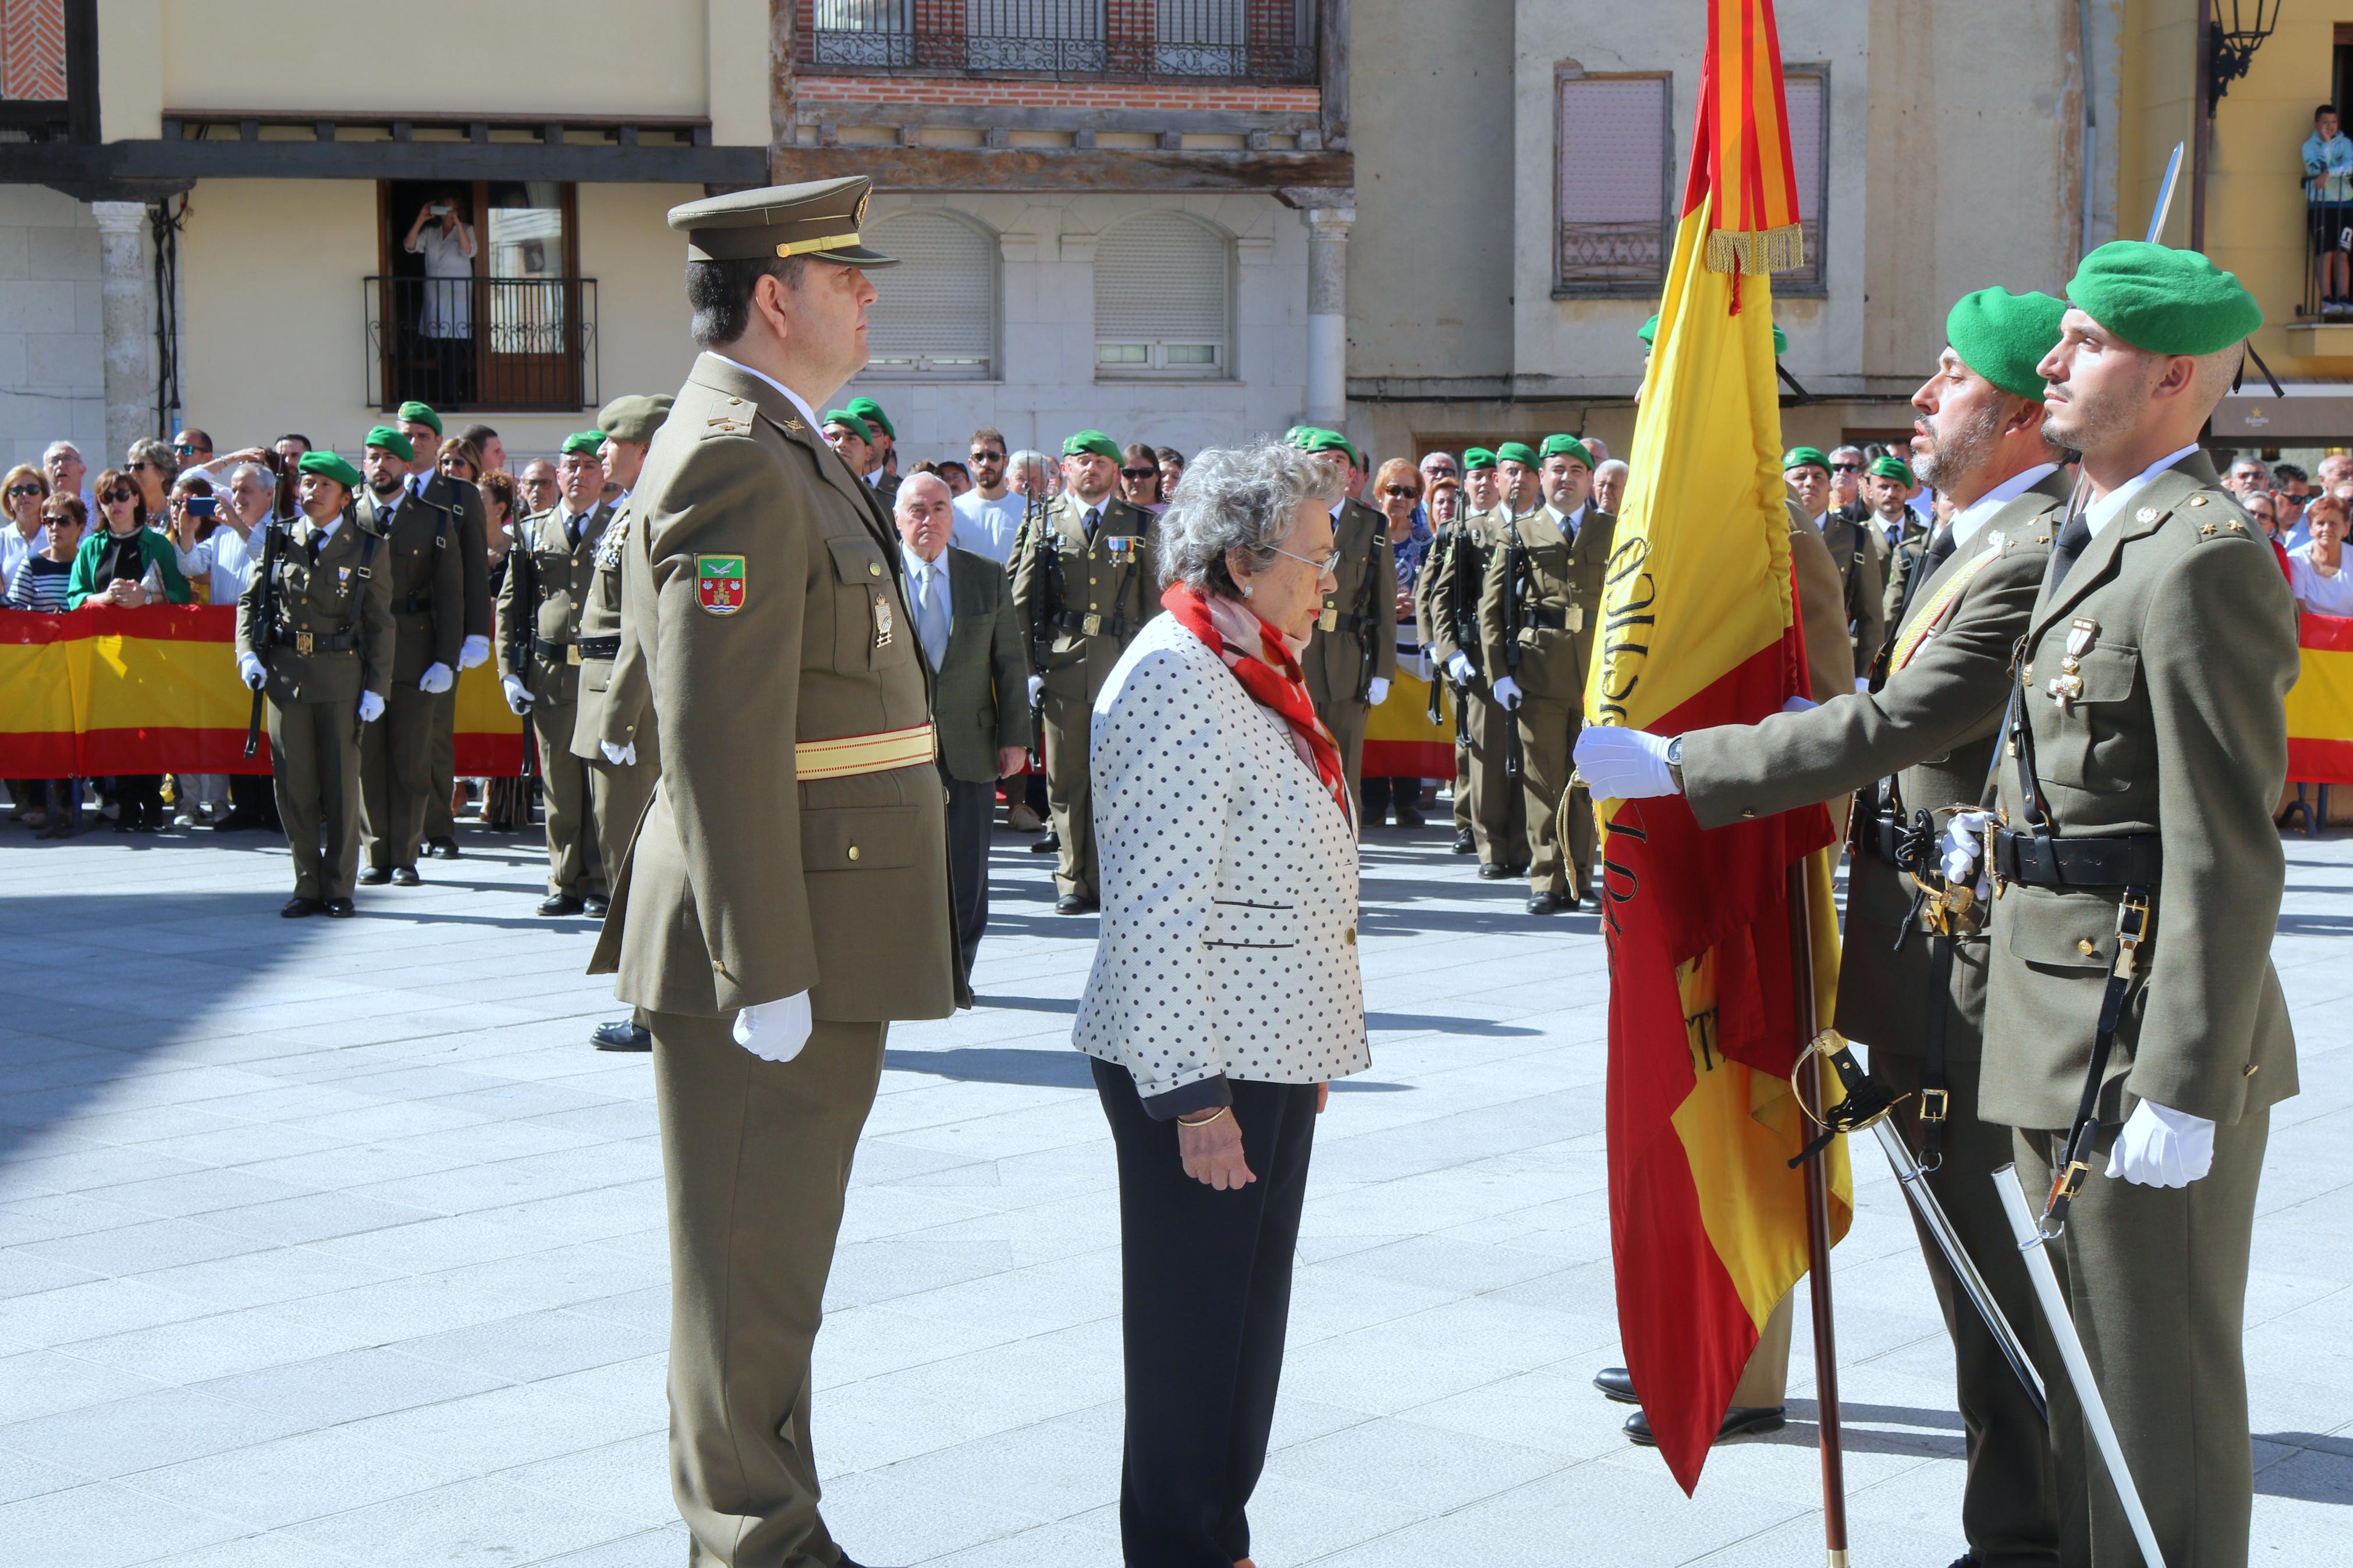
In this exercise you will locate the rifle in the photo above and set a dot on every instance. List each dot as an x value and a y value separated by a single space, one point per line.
1430 564
271 534
1516 566
1368 653
519 558
1030 536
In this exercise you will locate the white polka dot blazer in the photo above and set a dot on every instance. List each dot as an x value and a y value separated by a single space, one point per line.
1229 882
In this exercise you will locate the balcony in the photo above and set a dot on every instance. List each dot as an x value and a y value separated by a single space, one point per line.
482 344
1260 41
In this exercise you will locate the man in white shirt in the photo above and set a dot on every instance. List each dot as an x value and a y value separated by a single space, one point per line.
988 515
63 465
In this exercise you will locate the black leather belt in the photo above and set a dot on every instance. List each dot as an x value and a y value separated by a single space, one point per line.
1070 621
416 604
2134 861
315 642
1547 620
599 648
555 652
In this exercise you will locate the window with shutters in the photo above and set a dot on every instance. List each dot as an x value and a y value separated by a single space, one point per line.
1808 90
1164 299
1613 168
934 314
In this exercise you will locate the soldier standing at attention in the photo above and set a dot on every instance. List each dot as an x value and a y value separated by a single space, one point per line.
1087 582
1444 506
882 477
613 731
787 891
1857 547
1498 815
549 574
314 633
1516 471
1913 982
426 588
1539 606
1352 658
422 426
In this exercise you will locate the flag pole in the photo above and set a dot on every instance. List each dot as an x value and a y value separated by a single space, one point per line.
1818 1227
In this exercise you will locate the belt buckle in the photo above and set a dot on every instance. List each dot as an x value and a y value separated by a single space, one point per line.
1090 624
302 644
1935 1103
1329 620
2132 929
572 652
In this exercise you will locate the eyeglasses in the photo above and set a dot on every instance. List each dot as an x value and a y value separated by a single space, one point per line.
1139 473
988 456
1329 563
189 451
1401 492
111 497
60 520
15 490
1846 468
139 468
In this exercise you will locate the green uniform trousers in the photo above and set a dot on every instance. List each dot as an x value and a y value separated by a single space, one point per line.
618 797
439 823
396 778
756 1157
2010 1504
1462 823
1499 817
314 758
1070 795
573 866
1547 736
1346 719
2155 1278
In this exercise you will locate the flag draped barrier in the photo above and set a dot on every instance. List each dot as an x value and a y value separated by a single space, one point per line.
2320 704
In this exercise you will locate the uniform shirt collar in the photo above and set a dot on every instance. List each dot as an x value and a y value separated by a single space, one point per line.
2106 510
1969 519
809 415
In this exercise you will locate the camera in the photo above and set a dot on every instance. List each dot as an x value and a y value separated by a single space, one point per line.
439 209
204 506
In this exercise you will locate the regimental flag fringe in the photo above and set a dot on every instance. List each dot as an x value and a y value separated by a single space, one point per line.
1759 254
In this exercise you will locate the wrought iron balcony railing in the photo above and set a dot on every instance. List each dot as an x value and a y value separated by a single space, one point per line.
1253 40
509 345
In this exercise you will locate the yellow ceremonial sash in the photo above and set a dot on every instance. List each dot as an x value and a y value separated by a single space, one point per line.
1923 624
845 755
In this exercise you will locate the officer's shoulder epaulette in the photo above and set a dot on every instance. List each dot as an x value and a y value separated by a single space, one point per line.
2211 514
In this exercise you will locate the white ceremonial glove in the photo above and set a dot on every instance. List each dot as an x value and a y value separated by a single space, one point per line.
249 670
1459 667
473 651
2161 1148
775 1031
1862 683
1618 763
1799 704
436 680
619 756
1964 840
371 708
1508 692
518 694
1377 693
1037 688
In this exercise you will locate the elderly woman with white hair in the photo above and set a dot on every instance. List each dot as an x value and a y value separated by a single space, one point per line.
1225 995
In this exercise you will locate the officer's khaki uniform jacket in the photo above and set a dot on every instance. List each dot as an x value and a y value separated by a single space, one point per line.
616 703
1064 578
325 599
464 502
422 564
1560 610
1481 531
1860 555
1362 609
2180 732
560 578
749 879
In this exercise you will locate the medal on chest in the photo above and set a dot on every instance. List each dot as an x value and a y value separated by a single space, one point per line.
2067 686
883 632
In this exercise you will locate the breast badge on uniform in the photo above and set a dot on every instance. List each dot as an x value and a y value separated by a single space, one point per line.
881 620
719 583
610 542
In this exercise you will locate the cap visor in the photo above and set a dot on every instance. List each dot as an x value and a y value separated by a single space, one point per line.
855 256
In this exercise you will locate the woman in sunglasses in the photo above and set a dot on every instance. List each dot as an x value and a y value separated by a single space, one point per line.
1396 491
151 466
38 584
24 491
1139 479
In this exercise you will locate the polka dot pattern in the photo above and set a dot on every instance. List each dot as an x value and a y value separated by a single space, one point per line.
1229 880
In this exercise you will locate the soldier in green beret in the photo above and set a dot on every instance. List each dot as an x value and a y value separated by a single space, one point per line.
314 633
1352 658
463 502
852 439
1857 547
1085 582
883 437
1498 809
1515 471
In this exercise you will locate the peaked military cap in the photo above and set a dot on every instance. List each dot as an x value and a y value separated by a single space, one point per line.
392 441
589 441
420 414
1804 457
1477 457
1893 468
1094 441
1566 446
850 422
635 417
819 219
2163 300
327 465
2003 336
1516 452
865 408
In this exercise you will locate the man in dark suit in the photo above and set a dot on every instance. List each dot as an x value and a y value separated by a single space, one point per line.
966 626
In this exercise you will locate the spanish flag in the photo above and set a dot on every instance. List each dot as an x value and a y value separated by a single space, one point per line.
2320 704
1698 627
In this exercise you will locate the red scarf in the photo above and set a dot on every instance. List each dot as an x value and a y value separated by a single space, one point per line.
1261 659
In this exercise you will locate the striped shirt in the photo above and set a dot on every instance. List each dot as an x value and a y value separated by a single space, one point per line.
39 584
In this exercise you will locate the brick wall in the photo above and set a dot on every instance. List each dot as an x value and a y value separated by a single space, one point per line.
1039 93
32 50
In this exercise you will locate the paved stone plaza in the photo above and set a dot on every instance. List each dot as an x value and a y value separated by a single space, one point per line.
334 1242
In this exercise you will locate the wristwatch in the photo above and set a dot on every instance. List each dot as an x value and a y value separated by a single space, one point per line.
1676 762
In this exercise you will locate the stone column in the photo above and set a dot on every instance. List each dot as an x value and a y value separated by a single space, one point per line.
127 326
1327 310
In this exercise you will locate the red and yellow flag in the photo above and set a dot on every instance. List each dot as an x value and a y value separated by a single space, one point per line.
1699 627
2320 704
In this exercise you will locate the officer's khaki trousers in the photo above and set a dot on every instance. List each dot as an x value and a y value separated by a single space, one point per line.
756 1157
618 798
1498 812
1462 823
397 777
439 823
1069 793
1548 730
314 757
573 867
2155 1278
1346 719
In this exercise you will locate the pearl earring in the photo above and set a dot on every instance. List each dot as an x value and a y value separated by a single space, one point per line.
1248 589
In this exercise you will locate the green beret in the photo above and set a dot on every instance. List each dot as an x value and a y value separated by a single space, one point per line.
865 408
2003 336
1516 452
420 414
1893 468
329 466
2163 300
589 441
392 441
1799 457
1095 441
1648 330
1475 457
850 422
635 417
1296 435
1780 340
1565 446
1319 440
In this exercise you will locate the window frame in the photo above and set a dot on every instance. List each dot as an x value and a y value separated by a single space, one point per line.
1562 73
994 372
1818 288
1156 366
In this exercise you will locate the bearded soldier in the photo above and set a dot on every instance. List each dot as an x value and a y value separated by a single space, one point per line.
421 559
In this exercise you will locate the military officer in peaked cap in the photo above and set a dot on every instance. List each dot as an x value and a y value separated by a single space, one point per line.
613 727
786 894
1086 581
1911 984
1352 658
427 591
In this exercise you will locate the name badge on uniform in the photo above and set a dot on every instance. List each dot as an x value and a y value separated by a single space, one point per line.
882 620
1577 617
2067 686
1329 621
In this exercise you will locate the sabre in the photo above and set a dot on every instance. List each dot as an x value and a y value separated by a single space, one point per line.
2071 1352
2165 195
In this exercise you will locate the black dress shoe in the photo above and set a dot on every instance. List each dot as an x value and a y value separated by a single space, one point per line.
442 848
1549 903
375 876
405 876
1616 1383
621 1035
1050 844
298 906
595 904
1465 842
339 909
560 904
1490 870
1072 904
1737 1422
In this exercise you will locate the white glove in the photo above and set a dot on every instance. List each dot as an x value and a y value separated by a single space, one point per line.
775 1031
1799 704
1508 692
436 680
1618 763
2161 1148
1037 687
249 670
518 694
619 756
371 708
1964 839
1862 683
1377 693
1459 667
473 651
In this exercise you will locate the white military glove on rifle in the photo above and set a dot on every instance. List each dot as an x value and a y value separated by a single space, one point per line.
518 694
1508 692
249 670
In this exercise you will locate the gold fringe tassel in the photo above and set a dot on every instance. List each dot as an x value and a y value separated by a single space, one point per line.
1773 251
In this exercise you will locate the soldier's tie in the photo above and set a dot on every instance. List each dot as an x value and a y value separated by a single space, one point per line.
1095 521
932 613
2073 540
1940 549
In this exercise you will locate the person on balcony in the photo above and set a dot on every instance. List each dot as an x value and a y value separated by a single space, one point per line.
2328 204
445 317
